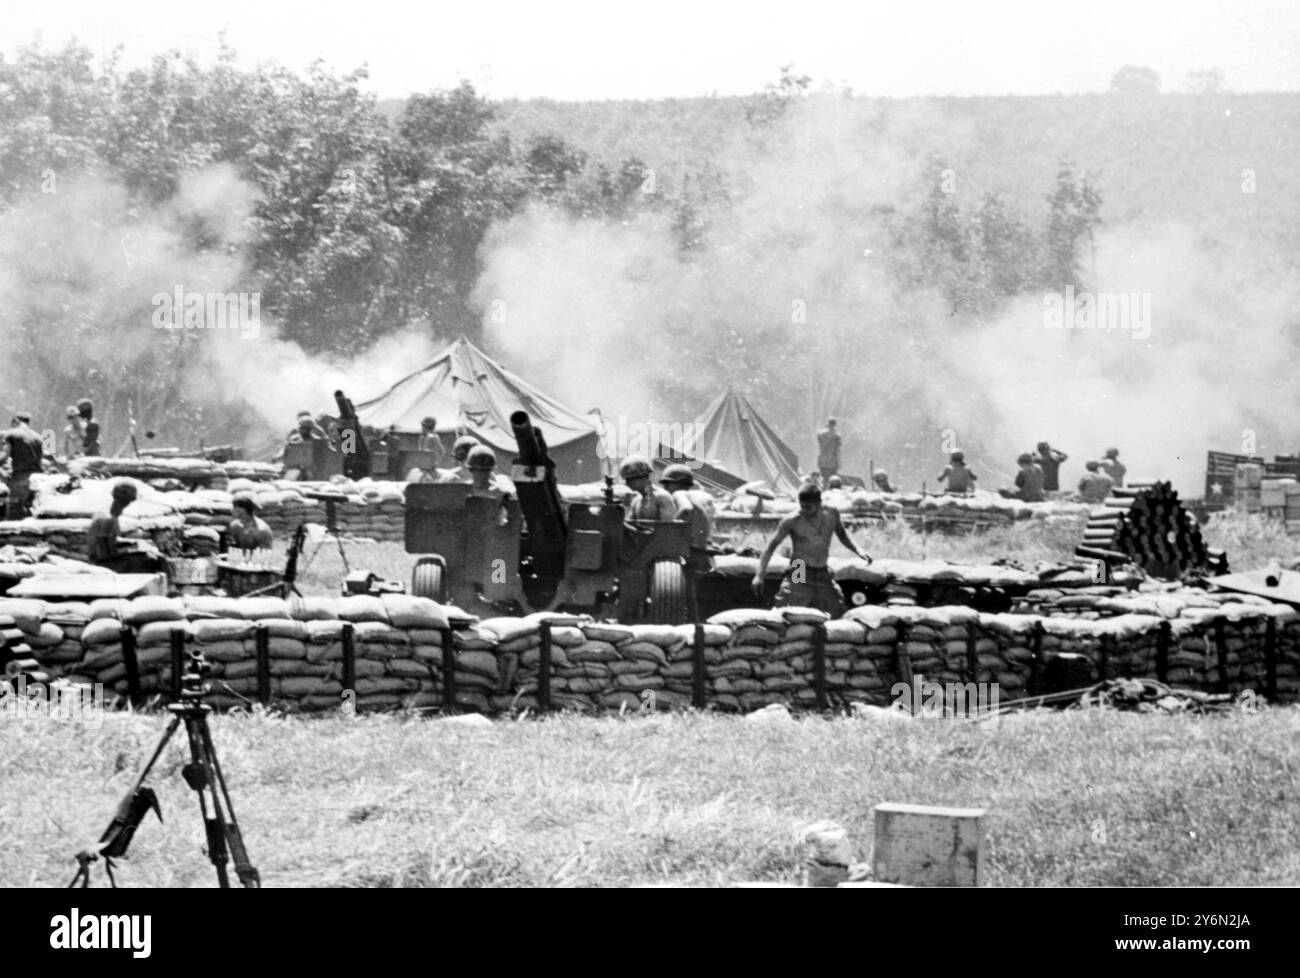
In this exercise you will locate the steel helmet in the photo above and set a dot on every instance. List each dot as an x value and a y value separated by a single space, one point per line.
677 474
429 422
125 490
1112 453
245 499
480 457
1092 465
957 457
461 446
1025 457
635 467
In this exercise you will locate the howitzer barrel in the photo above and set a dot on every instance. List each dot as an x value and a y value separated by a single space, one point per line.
532 445
356 453
539 496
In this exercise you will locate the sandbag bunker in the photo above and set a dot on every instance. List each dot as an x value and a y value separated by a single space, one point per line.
402 652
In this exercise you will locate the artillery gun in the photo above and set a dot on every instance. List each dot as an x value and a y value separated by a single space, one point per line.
532 552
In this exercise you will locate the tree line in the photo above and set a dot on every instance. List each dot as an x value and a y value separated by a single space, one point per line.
363 224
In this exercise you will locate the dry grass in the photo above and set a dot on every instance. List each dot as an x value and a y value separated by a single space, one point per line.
1075 799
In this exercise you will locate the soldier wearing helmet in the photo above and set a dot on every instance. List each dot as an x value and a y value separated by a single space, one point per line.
460 453
246 530
696 507
480 461
1095 485
1029 482
1049 460
649 503
960 479
1113 467
881 478
106 548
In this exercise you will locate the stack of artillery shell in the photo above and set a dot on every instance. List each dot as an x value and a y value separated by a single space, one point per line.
1147 525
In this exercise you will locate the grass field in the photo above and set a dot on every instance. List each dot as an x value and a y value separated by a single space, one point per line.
1074 799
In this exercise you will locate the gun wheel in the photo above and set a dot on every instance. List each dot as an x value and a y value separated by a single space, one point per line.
668 599
428 581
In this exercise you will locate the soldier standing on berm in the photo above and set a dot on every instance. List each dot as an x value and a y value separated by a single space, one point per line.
828 450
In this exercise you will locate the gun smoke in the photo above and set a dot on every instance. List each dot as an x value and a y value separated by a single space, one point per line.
791 303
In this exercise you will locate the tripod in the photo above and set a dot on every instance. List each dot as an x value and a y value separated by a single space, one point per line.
331 529
203 774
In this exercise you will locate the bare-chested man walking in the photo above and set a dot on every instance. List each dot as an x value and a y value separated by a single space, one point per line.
808 582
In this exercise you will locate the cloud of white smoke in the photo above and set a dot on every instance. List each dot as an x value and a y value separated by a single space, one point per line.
791 301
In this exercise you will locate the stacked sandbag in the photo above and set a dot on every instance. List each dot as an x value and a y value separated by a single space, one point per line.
219 632
319 685
24 634
679 675
1288 654
477 674
372 509
423 622
751 657
101 638
1088 603
191 471
59 647
378 645
851 673
931 642
736 670
67 537
253 471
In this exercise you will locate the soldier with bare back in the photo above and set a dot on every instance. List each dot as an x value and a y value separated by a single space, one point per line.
808 582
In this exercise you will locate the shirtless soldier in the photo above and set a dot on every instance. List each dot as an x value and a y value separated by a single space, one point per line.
808 582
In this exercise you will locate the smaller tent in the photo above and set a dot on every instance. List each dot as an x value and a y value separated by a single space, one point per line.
732 437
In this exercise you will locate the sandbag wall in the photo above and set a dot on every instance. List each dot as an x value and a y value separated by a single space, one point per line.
374 653
379 517
67 537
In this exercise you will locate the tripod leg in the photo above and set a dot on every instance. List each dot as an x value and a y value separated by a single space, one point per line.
198 775
244 868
